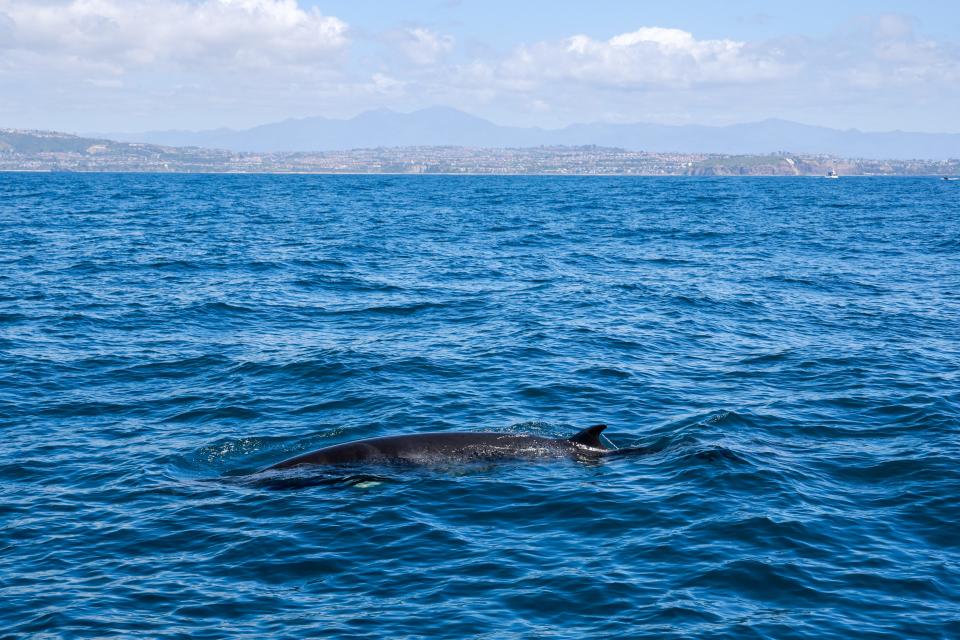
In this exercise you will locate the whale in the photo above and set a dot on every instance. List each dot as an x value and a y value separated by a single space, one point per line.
456 446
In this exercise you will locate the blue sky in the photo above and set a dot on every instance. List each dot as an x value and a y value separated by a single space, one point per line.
127 65
505 23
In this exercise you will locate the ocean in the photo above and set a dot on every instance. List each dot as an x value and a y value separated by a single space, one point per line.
787 350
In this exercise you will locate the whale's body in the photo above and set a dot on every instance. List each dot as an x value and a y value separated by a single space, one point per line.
427 448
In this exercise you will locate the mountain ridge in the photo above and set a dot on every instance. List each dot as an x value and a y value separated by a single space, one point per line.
445 126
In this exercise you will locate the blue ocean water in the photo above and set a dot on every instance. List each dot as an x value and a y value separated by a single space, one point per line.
788 349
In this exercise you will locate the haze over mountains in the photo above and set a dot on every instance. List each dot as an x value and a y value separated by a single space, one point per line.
441 126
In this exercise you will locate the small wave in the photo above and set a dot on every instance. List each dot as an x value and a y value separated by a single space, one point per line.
239 457
710 301
766 581
232 448
328 365
605 372
668 261
792 280
88 408
320 263
12 318
352 284
221 308
77 319
171 369
177 265
768 358
895 471
345 402
418 366
717 453
404 309
90 267
209 414
557 392
286 481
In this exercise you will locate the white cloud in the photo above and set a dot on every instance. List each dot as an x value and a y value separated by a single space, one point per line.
382 83
869 73
647 57
891 54
7 27
140 64
119 35
422 46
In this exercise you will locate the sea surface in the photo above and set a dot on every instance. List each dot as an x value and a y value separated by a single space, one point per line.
788 350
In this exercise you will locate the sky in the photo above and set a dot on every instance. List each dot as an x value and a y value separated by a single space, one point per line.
136 65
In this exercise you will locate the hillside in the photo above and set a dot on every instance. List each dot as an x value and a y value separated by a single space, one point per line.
52 151
440 126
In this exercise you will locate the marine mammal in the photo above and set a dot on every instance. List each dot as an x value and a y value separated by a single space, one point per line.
425 448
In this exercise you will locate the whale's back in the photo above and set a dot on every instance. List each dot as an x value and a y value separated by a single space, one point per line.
426 448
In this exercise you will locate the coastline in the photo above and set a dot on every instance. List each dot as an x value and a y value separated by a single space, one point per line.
471 174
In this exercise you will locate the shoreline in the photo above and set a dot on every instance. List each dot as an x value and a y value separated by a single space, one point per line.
470 174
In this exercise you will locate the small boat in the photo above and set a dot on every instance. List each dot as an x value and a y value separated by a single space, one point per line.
832 175
950 178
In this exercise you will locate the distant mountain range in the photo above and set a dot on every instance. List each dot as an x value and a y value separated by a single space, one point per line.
441 126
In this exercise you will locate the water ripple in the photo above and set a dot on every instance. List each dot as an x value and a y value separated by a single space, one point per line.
782 354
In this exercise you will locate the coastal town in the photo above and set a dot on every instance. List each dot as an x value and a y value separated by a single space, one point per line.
22 150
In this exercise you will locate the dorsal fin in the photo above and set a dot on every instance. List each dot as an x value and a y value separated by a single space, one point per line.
590 437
